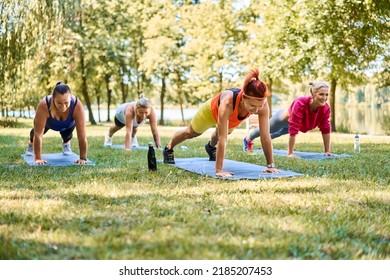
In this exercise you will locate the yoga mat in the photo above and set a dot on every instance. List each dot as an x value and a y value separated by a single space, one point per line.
58 159
241 170
122 146
305 155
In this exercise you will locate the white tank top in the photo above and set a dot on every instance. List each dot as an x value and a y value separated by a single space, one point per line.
120 115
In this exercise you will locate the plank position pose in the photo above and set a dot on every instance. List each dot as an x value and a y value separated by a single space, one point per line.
304 114
227 110
132 115
61 112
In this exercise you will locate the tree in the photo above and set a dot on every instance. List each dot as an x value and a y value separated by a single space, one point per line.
338 41
210 42
163 57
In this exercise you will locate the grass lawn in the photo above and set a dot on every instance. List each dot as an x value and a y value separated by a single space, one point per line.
119 210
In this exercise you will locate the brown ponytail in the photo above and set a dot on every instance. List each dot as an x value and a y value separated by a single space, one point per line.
253 86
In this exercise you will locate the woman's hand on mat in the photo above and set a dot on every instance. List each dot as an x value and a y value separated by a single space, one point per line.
293 156
80 161
328 154
40 161
224 174
271 170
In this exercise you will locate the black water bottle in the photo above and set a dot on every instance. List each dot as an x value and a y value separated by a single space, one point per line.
152 163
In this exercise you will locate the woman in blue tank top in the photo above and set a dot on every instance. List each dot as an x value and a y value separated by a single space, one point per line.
60 112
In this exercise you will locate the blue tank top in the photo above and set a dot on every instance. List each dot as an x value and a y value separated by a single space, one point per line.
57 125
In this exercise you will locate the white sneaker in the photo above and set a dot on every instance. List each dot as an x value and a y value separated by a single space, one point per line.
29 150
134 141
66 150
107 141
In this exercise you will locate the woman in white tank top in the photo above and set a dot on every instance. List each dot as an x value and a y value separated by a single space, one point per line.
131 115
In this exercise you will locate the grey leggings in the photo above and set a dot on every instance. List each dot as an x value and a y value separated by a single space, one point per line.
278 126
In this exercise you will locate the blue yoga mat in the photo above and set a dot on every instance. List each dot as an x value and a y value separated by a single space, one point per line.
305 155
241 170
57 159
122 146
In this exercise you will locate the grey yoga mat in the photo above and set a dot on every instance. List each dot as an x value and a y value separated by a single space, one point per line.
122 146
241 170
57 159
305 155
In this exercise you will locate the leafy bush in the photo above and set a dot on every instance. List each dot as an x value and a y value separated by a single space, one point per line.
386 124
9 122
342 128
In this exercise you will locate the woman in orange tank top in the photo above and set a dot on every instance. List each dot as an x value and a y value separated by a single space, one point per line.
227 110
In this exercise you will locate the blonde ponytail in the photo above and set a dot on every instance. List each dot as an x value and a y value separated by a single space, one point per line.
143 102
315 86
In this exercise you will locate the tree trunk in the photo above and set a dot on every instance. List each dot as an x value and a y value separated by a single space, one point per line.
220 77
162 97
180 97
107 79
97 92
269 98
125 91
84 86
332 102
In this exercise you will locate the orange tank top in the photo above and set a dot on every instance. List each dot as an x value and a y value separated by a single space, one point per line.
233 118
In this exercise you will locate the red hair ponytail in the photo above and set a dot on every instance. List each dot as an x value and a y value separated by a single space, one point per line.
253 86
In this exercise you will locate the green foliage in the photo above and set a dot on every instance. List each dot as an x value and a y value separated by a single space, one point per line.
119 210
343 129
8 122
183 52
386 124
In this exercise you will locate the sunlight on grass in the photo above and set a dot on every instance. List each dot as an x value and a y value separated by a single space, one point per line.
31 205
119 210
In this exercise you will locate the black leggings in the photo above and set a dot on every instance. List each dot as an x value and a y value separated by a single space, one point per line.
121 125
66 134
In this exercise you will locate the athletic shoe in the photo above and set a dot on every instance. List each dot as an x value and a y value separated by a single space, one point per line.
29 150
107 141
66 150
248 145
169 156
134 141
211 151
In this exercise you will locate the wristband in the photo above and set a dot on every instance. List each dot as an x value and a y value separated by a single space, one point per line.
83 158
271 165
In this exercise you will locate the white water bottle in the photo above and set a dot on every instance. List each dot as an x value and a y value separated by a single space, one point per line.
356 144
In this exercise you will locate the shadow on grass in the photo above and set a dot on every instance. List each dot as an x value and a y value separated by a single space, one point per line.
158 231
192 225
18 249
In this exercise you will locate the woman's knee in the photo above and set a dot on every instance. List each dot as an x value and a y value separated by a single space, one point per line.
190 133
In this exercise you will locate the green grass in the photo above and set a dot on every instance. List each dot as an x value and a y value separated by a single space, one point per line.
119 210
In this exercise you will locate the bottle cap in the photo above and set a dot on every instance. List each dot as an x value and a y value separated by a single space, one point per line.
150 144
